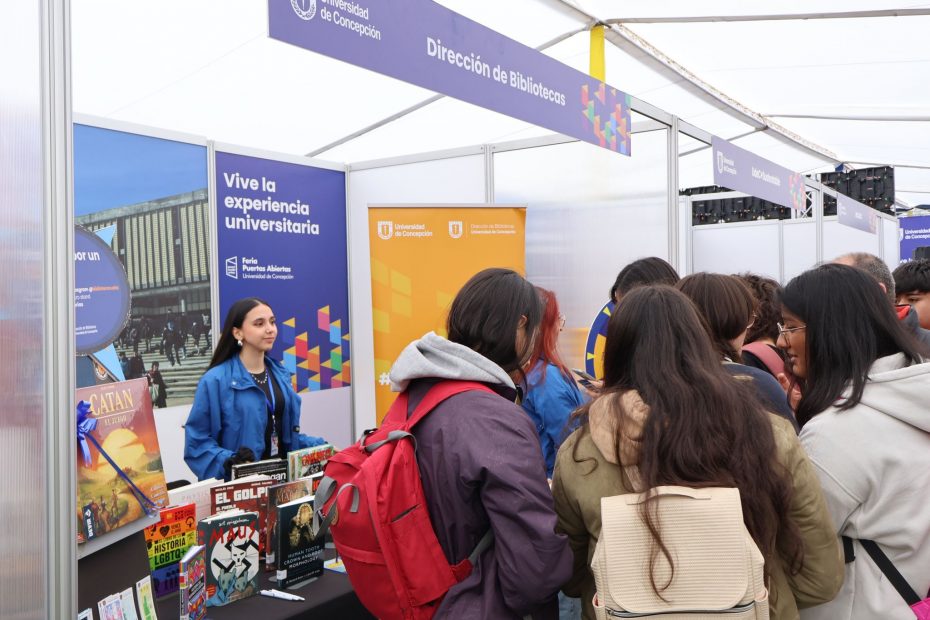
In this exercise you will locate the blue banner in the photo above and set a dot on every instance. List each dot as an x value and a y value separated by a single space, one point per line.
854 214
914 237
424 43
101 293
281 230
744 171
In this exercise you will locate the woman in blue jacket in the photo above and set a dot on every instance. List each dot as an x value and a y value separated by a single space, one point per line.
244 408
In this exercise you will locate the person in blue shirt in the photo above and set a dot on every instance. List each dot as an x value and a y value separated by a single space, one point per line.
244 409
550 392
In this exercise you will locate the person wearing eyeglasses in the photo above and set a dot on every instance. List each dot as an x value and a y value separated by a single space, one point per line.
729 311
865 416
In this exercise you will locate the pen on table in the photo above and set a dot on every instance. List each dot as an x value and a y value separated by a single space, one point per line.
281 595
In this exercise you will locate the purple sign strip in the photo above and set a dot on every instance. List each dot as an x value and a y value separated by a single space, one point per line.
914 237
743 171
424 43
856 215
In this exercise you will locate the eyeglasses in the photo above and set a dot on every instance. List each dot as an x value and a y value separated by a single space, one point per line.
784 331
752 321
561 321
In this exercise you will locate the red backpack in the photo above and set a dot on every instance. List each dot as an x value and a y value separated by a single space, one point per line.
373 502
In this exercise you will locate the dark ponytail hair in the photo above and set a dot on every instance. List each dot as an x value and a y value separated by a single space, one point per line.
643 271
849 324
486 312
227 346
704 429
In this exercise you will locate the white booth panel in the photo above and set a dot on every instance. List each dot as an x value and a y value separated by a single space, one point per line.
839 239
737 248
892 244
589 213
800 247
439 181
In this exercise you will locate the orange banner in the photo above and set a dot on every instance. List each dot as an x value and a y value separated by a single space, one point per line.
420 258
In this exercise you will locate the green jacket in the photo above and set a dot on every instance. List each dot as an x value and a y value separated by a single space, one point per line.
579 486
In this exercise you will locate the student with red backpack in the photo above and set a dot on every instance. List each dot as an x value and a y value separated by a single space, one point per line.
449 514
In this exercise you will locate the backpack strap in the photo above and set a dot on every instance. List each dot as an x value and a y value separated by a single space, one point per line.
437 394
770 358
884 564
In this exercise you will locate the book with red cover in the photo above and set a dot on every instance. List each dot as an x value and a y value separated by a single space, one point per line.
249 494
281 494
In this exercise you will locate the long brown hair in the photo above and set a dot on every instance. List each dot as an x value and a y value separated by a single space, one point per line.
704 429
726 305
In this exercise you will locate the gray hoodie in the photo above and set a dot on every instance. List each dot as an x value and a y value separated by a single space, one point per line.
482 468
873 461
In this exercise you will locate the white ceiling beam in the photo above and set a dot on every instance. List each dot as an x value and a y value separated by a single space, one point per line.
857 117
694 19
628 41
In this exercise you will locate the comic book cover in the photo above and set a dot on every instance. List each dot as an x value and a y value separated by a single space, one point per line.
308 461
299 552
249 494
281 494
166 542
125 429
193 584
146 600
232 556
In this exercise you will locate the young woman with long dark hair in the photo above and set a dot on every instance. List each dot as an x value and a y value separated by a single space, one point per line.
550 392
669 414
479 455
728 310
865 411
244 408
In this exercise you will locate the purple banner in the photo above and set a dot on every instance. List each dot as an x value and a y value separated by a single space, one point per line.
914 237
424 43
743 171
853 213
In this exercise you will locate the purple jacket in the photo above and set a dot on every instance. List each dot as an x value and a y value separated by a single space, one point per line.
481 467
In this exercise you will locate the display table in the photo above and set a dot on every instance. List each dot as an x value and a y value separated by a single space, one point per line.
121 564
329 596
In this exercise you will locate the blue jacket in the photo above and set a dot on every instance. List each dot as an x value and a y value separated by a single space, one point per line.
549 401
230 412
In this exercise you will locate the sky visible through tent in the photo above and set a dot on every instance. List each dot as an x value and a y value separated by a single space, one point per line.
857 87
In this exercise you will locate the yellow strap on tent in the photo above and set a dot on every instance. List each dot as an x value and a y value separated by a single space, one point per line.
597 53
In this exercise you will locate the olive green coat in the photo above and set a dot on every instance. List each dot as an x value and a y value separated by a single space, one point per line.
579 486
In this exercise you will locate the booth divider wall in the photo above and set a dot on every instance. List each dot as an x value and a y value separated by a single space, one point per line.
449 177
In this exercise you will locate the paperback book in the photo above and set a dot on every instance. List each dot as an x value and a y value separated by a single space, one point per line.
274 468
121 422
193 586
281 494
197 494
146 600
249 494
231 556
166 543
308 461
299 551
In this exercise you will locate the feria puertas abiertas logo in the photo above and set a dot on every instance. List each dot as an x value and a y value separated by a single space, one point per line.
305 9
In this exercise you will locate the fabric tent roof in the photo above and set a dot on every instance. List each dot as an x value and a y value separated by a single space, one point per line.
208 68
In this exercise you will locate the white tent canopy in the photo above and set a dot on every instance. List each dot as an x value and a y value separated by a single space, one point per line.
853 86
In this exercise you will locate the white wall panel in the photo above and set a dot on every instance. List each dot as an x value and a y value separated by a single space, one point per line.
892 245
442 181
589 213
839 239
800 247
23 457
737 248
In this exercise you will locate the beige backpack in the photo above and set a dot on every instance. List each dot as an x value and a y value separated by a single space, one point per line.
718 567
